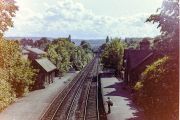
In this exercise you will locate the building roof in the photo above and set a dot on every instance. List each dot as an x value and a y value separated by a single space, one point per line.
136 57
46 64
35 50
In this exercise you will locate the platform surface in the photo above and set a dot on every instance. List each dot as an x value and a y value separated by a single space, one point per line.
123 107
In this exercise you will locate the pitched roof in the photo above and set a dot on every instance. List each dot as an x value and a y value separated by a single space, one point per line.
136 57
35 50
46 64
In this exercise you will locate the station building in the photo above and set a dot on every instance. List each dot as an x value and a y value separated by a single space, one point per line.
46 69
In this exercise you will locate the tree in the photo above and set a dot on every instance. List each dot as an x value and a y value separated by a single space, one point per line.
20 73
60 57
69 38
113 55
158 89
65 55
86 46
79 58
7 12
107 39
168 22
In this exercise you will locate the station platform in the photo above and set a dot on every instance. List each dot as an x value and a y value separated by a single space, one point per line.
32 106
123 107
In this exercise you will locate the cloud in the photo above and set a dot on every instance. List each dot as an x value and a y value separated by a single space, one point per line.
63 17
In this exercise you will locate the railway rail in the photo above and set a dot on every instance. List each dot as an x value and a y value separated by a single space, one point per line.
78 100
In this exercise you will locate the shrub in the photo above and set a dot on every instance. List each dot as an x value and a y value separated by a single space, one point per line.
7 96
158 91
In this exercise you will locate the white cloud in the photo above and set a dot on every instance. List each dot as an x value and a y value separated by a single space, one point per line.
63 17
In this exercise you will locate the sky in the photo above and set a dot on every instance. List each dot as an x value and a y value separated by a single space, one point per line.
84 19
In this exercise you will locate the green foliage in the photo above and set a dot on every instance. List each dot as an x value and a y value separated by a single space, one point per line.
42 43
131 44
107 39
22 77
17 75
80 58
157 91
113 55
86 46
7 95
168 18
21 74
59 55
65 55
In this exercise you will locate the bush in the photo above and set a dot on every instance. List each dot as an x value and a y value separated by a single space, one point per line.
22 77
157 91
7 96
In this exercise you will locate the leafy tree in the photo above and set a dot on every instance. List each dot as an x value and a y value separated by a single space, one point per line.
16 74
86 46
168 22
7 12
42 43
20 74
113 55
158 89
60 57
65 55
79 58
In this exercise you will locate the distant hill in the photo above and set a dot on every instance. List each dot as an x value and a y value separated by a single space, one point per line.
136 39
93 42
33 38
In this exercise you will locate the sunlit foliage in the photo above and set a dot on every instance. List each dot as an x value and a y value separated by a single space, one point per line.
17 75
113 54
157 91
7 12
65 55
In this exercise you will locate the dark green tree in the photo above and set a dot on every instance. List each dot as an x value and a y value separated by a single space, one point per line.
107 39
86 46
69 38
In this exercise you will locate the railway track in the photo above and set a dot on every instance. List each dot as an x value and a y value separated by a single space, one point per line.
78 100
